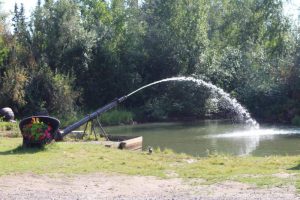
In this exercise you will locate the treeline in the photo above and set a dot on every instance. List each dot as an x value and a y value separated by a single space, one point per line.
73 56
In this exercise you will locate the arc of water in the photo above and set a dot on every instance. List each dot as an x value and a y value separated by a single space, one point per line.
242 112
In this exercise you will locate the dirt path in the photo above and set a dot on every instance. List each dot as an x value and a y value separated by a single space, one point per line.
104 186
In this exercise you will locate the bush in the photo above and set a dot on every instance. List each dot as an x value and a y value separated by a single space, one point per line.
296 120
175 101
51 93
116 117
13 85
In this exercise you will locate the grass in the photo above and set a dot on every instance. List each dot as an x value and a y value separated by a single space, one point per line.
81 158
9 129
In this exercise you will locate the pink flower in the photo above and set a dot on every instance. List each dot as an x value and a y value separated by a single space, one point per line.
47 134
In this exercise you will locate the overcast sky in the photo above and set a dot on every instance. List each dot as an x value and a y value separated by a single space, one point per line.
8 6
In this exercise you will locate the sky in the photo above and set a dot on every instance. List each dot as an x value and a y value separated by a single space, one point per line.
9 5
290 8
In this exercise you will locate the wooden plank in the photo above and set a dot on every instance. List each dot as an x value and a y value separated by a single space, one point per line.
124 142
132 144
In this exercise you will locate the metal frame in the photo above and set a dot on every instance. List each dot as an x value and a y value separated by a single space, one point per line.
92 121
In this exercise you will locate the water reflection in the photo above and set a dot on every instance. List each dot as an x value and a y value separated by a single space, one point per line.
216 137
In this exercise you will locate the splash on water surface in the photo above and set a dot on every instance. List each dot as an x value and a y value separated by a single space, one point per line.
263 132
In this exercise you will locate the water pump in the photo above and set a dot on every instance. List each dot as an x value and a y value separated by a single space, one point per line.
38 131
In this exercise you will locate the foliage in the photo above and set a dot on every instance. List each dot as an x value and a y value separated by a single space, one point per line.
37 131
50 93
13 86
84 53
175 37
4 50
116 117
177 101
296 120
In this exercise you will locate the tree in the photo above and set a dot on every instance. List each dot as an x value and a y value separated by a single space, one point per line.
248 39
50 92
60 38
13 88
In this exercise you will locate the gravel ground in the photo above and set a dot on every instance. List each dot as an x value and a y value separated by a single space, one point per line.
114 186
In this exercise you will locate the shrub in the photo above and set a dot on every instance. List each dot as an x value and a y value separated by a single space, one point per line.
296 120
51 93
116 117
13 87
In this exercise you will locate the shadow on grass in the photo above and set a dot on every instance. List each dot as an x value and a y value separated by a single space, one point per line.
297 167
22 150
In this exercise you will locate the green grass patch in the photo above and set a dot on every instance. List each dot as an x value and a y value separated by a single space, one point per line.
81 158
265 181
9 129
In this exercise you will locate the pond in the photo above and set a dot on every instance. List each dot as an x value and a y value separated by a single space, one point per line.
212 136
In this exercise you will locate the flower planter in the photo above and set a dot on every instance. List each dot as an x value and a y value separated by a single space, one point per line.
38 130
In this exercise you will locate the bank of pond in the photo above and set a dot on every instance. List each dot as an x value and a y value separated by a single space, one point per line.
88 157
204 138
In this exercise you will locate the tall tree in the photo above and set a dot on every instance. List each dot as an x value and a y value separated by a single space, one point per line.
60 38
175 38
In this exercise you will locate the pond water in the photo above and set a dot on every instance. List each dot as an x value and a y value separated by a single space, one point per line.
207 137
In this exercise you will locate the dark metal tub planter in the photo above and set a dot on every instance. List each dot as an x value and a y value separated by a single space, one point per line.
38 131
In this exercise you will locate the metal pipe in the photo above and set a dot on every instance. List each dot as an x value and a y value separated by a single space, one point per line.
91 116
